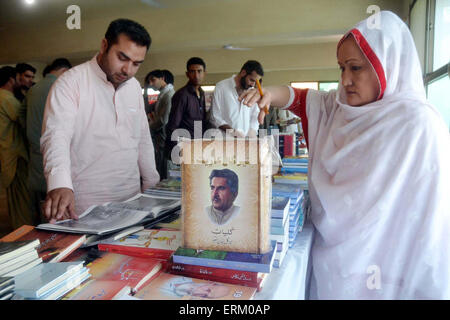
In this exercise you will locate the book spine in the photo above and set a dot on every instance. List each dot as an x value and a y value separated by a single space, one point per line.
215 272
154 253
243 266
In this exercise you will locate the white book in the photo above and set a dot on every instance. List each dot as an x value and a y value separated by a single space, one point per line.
18 262
36 281
66 286
24 268
11 250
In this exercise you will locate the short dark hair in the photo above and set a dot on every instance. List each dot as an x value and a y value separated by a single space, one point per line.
7 73
46 71
22 67
231 176
168 76
133 30
59 64
154 73
253 65
195 60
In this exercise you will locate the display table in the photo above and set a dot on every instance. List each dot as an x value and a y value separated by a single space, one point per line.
291 280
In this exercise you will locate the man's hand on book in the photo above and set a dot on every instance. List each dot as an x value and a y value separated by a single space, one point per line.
59 205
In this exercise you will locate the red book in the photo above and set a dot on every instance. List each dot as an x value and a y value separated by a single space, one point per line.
147 243
242 276
288 145
132 271
54 247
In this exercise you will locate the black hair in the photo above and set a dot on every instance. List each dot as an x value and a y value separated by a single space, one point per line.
231 176
168 76
46 71
22 67
7 73
253 65
60 63
154 73
133 30
195 60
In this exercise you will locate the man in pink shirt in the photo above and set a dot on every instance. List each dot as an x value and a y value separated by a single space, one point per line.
95 139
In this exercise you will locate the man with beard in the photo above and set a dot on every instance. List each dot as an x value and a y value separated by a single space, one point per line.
230 115
96 140
25 80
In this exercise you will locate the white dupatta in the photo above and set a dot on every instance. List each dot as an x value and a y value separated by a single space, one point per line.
380 181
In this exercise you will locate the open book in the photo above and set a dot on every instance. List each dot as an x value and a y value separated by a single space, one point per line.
114 216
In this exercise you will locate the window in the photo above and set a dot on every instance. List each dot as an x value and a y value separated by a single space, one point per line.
328 85
305 85
430 26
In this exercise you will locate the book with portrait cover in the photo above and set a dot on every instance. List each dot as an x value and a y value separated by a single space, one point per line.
226 194
174 287
150 243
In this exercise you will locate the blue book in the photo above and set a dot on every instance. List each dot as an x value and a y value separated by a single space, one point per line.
38 280
286 190
66 286
294 170
295 160
227 260
280 206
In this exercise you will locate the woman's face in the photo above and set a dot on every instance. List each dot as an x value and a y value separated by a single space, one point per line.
358 77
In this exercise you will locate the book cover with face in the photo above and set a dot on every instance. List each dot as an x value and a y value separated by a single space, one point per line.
226 195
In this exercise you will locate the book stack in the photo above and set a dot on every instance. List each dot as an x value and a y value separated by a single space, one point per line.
296 217
286 144
239 268
168 188
279 227
53 247
293 171
50 281
6 288
115 275
18 256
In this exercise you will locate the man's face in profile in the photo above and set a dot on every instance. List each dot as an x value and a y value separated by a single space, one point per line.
221 196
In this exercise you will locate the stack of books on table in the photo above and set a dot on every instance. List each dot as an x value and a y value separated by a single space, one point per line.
242 272
296 215
18 256
53 246
50 281
279 227
116 277
293 171
170 188
7 285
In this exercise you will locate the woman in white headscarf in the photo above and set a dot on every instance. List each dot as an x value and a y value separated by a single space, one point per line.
379 171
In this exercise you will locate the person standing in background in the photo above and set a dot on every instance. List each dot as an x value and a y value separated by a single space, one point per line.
24 77
14 151
35 102
159 117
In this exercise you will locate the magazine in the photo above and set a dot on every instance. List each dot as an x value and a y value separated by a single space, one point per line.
114 216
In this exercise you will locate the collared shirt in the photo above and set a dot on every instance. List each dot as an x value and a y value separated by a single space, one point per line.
36 98
96 138
187 108
162 110
12 135
222 217
227 110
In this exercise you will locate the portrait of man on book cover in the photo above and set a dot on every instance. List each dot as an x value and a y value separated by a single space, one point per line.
225 202
224 190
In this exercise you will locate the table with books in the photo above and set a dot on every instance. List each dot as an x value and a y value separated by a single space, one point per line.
155 252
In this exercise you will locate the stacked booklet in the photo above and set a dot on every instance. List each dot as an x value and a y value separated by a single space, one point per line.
6 288
116 216
50 281
170 188
18 256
